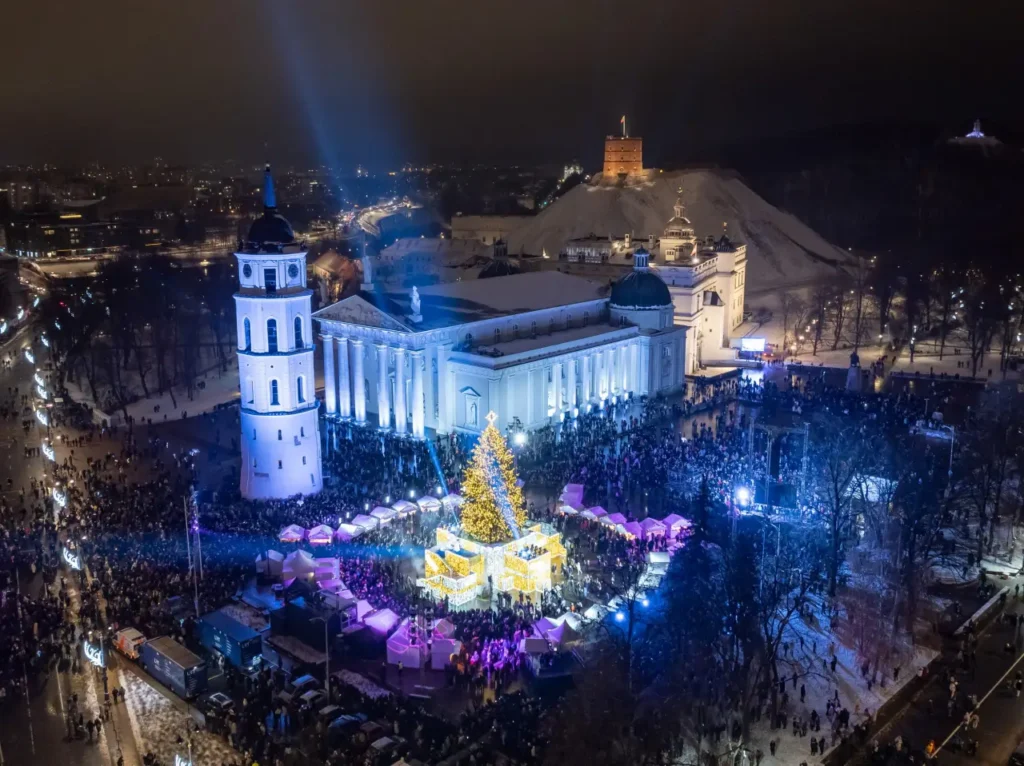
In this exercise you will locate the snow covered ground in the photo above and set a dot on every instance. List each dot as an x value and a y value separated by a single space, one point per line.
780 249
219 388
811 662
157 723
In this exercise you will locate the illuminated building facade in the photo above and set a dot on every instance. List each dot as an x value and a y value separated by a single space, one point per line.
623 155
280 432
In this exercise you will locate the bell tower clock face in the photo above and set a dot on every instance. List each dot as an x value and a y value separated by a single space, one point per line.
247 271
293 271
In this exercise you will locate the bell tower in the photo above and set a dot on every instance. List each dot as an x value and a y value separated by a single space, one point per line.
280 428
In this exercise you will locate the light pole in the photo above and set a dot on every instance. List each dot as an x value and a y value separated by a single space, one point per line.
327 656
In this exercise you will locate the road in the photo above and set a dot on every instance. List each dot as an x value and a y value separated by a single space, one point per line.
1001 714
36 732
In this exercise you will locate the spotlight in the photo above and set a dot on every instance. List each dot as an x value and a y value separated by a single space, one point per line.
619 617
519 439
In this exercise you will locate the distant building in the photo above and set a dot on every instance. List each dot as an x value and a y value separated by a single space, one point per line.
485 228
705 276
623 155
423 260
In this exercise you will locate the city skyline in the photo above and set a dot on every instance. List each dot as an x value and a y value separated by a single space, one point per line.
341 85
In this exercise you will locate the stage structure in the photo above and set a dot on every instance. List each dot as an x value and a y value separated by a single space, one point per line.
494 548
775 428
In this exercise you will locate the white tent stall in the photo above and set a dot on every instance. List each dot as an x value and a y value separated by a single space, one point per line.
383 514
652 528
320 535
366 523
270 565
347 532
293 533
405 508
299 564
429 504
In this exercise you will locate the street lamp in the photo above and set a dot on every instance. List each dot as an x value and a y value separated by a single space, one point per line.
327 655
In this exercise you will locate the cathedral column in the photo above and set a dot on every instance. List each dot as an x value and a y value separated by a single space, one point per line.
344 384
416 358
613 370
604 389
634 367
401 416
556 386
624 367
358 381
570 379
588 379
330 392
383 394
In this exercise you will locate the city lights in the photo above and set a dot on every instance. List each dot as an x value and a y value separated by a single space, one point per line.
60 498
48 452
30 356
72 559
94 654
41 417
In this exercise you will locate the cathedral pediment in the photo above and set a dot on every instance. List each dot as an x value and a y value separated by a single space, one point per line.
357 311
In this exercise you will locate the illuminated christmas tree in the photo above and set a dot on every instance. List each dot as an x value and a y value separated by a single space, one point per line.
493 511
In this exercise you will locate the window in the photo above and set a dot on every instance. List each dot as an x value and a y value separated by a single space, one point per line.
280 464
300 389
302 431
270 280
303 459
533 329
273 393
250 394
497 336
248 334
551 327
272 336
586 318
515 331
254 434
279 434
298 332
312 480
254 462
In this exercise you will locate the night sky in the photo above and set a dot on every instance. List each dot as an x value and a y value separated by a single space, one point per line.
343 81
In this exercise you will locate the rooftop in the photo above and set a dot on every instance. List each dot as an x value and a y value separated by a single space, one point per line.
458 303
545 340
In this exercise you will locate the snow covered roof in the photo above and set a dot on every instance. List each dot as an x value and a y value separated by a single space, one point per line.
456 303
780 248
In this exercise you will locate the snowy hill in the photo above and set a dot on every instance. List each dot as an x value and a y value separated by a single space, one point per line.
780 249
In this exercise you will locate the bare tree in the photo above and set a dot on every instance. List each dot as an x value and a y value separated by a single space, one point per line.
790 307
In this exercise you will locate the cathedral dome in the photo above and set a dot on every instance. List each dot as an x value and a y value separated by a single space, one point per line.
270 229
640 289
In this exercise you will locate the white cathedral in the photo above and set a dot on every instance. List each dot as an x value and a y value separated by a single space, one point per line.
534 348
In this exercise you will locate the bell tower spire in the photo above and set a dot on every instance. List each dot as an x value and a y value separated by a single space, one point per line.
269 197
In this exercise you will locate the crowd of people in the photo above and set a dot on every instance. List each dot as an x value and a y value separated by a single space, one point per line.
125 511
